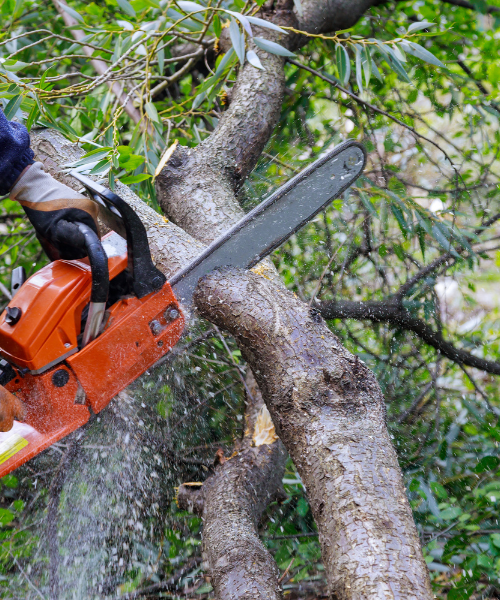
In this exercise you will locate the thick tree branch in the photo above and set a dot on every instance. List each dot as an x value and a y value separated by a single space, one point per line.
392 312
329 413
332 15
197 189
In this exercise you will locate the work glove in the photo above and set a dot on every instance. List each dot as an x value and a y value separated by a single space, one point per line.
10 408
55 210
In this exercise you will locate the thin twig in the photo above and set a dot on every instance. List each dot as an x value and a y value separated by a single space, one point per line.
372 107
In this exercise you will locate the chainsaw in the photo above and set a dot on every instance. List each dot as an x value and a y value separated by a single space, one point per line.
77 332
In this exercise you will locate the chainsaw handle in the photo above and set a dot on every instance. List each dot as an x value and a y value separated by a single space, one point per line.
146 278
98 264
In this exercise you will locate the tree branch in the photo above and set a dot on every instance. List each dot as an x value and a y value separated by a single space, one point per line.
232 502
465 4
392 312
329 412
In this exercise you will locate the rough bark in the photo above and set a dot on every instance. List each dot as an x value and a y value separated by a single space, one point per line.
232 502
337 437
330 414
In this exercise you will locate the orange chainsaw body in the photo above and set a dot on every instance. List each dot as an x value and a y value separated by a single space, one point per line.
61 384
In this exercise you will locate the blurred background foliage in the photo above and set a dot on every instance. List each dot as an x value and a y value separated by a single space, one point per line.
428 115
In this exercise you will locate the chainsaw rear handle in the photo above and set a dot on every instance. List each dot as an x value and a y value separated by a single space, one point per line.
146 278
98 264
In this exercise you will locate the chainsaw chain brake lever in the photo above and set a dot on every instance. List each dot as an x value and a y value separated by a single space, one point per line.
146 278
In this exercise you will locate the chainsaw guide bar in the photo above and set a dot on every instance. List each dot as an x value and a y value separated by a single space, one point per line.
66 354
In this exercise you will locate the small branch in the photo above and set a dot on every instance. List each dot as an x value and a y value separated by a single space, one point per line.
392 312
11 216
374 108
465 4
25 575
98 64
169 585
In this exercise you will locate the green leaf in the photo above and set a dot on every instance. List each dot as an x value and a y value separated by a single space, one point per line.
421 239
126 7
6 516
189 7
243 20
217 26
71 11
488 463
367 204
359 71
135 178
224 62
398 213
399 252
101 167
32 117
18 8
393 61
254 60
399 53
152 112
200 98
266 24
396 65
219 72
417 50
238 40
14 65
302 507
272 47
343 64
161 60
449 514
131 162
10 481
13 106
495 539
366 63
91 157
375 69
420 25
439 490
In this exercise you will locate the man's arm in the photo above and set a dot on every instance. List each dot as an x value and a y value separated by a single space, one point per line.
15 153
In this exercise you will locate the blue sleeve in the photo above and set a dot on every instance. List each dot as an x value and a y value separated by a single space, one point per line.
15 152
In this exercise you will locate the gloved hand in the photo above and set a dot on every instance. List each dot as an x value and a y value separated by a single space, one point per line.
54 210
10 408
